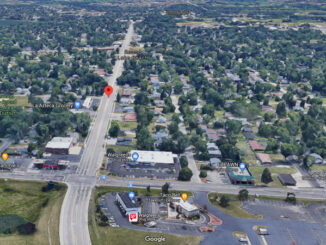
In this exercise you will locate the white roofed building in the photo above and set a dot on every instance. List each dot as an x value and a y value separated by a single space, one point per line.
154 157
59 145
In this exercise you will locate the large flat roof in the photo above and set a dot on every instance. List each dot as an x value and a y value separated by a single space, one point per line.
127 201
59 143
155 156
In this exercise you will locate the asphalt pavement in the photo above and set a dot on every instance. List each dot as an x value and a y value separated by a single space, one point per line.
74 211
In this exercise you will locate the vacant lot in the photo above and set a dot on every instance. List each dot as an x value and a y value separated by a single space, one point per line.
25 199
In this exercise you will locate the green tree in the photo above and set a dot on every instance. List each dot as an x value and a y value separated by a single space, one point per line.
31 147
224 201
114 129
233 126
272 145
83 123
281 109
183 161
144 140
243 195
288 149
165 188
185 174
203 174
266 176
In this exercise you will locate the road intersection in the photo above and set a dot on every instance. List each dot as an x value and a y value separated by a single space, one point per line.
74 212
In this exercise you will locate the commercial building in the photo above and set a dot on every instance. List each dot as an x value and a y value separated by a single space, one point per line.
153 158
239 177
51 164
187 209
59 145
127 205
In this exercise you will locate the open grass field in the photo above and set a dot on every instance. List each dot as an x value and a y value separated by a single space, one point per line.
258 170
318 167
22 101
25 199
121 148
127 125
121 236
247 155
234 208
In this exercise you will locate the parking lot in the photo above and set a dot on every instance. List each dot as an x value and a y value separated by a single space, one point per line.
122 169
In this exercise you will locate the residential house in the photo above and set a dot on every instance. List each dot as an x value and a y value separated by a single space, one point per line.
211 146
255 146
215 162
124 141
264 158
161 119
128 109
131 117
214 153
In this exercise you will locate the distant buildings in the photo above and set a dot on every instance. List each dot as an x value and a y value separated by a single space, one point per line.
59 145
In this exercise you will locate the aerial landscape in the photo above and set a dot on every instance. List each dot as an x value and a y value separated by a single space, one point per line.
162 122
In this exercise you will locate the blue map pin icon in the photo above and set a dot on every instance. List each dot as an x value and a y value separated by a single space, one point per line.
103 177
135 156
242 166
130 185
131 195
77 104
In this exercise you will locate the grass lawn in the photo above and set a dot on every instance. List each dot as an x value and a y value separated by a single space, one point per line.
247 155
127 125
121 236
318 167
258 170
121 148
25 198
22 101
234 208
219 114
278 157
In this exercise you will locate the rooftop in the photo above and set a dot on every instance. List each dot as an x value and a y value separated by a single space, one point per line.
155 156
59 143
127 201
287 179
187 206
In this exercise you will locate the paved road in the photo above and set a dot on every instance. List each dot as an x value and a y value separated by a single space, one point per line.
191 161
74 212
5 143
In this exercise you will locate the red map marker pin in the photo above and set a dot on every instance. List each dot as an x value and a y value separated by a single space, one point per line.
108 90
